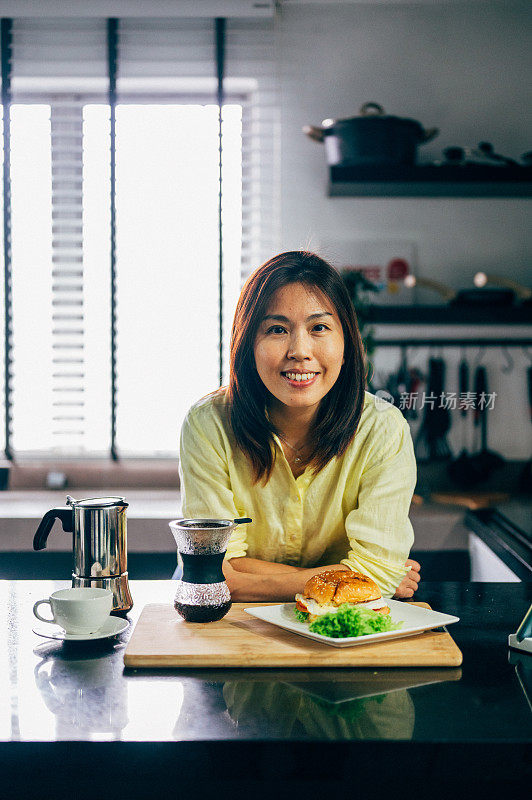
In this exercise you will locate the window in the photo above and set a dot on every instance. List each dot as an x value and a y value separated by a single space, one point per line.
167 269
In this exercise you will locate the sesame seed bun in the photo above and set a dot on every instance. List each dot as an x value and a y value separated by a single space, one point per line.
335 587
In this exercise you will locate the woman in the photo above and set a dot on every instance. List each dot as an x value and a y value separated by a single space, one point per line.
297 444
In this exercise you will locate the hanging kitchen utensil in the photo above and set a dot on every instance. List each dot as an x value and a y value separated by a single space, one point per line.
465 297
397 384
372 138
459 469
525 479
508 367
403 375
432 435
529 387
416 380
408 381
483 463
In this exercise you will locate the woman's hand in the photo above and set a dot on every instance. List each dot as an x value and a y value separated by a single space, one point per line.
409 584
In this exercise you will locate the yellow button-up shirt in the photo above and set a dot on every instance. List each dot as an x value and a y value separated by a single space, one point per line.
354 511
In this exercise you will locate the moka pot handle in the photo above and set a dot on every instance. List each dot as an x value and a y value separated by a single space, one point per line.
65 514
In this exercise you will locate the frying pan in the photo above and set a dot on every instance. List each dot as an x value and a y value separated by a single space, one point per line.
465 297
522 293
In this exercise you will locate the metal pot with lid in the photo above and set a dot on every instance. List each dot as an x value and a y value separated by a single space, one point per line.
373 138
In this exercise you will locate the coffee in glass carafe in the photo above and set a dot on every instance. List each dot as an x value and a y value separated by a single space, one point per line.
202 594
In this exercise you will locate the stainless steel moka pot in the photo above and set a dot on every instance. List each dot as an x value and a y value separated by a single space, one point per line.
98 525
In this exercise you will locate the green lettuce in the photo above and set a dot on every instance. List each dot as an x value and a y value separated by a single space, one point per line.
351 621
302 616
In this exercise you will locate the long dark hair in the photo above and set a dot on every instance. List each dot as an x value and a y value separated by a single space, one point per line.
339 412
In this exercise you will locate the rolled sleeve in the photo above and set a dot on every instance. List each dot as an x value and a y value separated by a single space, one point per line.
205 483
238 546
379 530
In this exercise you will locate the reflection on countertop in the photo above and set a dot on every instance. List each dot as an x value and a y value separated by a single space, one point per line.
289 710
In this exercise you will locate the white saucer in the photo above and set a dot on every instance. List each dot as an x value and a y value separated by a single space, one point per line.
111 627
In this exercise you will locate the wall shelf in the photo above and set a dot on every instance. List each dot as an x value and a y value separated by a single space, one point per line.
450 315
412 319
427 180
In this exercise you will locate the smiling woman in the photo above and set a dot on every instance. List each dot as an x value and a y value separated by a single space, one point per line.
297 444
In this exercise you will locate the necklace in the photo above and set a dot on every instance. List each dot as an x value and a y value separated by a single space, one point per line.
297 450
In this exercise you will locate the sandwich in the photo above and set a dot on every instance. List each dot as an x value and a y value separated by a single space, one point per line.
325 592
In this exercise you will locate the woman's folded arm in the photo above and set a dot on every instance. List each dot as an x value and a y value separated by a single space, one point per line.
379 530
266 580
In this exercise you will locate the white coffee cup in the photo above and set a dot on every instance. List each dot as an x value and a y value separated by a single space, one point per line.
80 610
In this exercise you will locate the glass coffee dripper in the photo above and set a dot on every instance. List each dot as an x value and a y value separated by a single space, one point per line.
202 594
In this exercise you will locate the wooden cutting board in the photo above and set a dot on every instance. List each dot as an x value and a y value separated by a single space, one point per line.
471 500
162 639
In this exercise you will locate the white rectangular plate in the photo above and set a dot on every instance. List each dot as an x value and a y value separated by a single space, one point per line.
414 618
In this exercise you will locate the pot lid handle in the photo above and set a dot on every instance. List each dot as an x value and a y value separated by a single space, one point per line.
429 134
314 133
372 110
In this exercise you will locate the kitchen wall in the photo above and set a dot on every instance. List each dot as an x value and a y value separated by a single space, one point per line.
461 67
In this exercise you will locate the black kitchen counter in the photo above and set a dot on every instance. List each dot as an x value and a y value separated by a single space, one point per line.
71 716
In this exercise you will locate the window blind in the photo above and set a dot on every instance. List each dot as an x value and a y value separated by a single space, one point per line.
164 55
68 317
251 58
60 65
